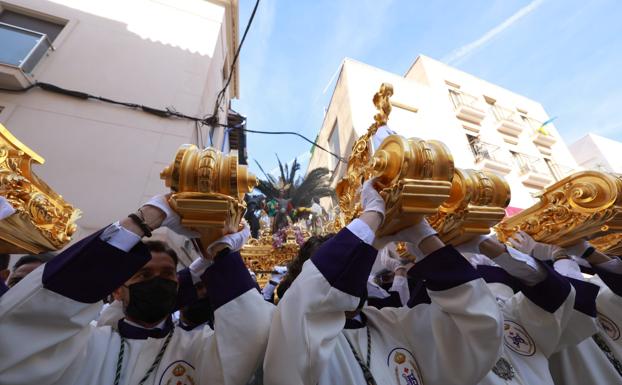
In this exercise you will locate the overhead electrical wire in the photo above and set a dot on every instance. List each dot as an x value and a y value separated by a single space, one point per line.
169 112
221 94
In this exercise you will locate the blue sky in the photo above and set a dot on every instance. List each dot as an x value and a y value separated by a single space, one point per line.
566 54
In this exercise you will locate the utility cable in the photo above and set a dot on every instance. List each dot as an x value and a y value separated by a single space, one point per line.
221 94
169 112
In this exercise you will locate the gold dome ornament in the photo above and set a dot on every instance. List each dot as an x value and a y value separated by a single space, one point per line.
42 221
208 190
477 202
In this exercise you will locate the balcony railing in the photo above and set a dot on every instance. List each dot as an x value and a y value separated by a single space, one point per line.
559 170
533 171
460 99
532 123
468 107
491 157
528 163
508 123
502 113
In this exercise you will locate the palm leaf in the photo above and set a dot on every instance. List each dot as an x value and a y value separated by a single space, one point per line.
315 184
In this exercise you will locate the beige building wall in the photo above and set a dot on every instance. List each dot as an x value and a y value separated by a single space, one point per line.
106 159
489 127
596 152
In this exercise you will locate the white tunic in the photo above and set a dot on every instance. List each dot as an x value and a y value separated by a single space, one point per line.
48 338
586 363
530 335
452 340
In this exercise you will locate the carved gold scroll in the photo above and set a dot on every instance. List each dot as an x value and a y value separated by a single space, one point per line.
42 221
587 204
208 190
416 178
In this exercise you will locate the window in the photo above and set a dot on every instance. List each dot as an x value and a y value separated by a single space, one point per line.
333 145
24 39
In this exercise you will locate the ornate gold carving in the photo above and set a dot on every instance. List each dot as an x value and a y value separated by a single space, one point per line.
477 202
413 176
261 255
587 204
608 244
42 221
208 190
417 178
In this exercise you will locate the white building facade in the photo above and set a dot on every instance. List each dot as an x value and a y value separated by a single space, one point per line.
596 152
484 125
103 158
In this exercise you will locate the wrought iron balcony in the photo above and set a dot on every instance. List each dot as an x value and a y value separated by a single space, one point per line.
491 157
508 123
541 137
468 107
534 172
559 170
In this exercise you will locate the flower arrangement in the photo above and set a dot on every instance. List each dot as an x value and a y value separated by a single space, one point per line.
280 237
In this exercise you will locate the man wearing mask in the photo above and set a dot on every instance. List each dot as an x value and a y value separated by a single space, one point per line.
49 313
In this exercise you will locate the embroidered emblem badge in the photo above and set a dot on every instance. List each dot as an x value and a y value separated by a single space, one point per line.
178 373
609 327
504 369
515 338
404 365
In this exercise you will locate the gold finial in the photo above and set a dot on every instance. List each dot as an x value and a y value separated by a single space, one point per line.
383 104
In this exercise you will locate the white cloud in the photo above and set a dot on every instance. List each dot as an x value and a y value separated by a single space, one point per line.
471 47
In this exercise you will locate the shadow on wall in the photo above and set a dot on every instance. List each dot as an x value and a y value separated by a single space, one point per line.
105 159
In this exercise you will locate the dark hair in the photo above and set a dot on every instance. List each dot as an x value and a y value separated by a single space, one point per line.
4 261
32 258
161 247
294 267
